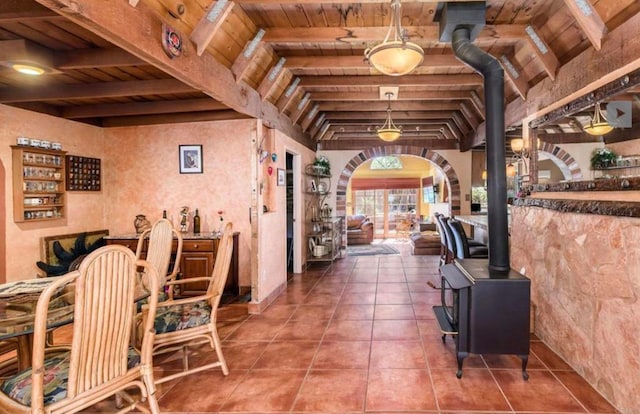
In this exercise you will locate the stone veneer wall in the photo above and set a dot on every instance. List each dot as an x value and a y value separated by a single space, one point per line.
585 274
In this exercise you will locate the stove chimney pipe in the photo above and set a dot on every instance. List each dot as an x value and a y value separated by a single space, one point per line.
493 74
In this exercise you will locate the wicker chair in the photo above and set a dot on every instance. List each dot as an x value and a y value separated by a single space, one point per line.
100 363
161 236
189 321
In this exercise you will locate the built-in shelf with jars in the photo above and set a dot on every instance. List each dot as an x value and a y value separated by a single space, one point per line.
622 166
38 184
324 232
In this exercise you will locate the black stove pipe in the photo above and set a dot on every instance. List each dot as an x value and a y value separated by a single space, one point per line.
493 74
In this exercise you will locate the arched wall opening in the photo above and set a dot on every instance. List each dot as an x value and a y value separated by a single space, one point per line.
562 159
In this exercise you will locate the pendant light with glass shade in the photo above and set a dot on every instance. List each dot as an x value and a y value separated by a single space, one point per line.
397 56
598 125
389 131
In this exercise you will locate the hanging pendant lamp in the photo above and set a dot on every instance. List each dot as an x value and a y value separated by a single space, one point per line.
598 125
389 131
395 56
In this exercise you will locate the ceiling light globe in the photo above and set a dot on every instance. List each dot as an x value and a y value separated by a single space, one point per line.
517 145
598 129
389 134
395 58
28 69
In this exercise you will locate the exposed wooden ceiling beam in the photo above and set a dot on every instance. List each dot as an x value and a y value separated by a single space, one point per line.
95 58
589 20
379 80
567 138
209 24
622 134
513 32
129 28
93 90
357 62
172 119
543 51
402 96
395 106
367 116
142 108
515 75
436 144
23 11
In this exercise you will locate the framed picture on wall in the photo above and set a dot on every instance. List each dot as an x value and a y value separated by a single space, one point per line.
190 159
282 177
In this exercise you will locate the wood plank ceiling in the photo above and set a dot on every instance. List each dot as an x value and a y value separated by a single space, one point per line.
296 64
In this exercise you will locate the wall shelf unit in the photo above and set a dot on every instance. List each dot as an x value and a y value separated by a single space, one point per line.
38 184
324 232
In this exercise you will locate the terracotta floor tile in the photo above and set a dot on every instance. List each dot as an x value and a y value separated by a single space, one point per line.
287 355
342 355
424 311
391 330
360 288
541 393
358 299
347 330
364 276
242 355
327 299
313 312
399 390
332 391
384 278
397 354
584 392
276 312
511 362
443 355
354 312
476 390
257 330
265 390
206 392
547 356
302 330
392 287
392 298
394 312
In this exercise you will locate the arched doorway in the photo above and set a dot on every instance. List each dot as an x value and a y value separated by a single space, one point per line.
562 159
439 161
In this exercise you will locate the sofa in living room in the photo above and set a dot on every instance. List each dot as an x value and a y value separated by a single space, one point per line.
359 229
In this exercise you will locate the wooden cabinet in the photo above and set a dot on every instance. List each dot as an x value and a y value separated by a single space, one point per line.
198 259
38 184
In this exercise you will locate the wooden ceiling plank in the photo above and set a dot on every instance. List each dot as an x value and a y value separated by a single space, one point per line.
399 115
93 90
357 62
300 108
309 117
244 59
589 20
402 96
289 94
379 80
567 138
361 34
129 29
95 58
515 75
543 51
25 11
382 106
359 145
469 115
210 23
142 108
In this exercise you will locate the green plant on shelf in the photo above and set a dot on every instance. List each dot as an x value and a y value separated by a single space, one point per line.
603 158
322 165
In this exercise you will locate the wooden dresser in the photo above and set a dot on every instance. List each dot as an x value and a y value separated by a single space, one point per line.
198 258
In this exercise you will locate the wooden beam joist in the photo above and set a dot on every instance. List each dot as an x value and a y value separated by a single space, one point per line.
382 106
214 16
357 62
142 108
589 20
378 80
515 75
174 118
354 116
374 33
93 90
543 51
567 138
436 144
21 11
403 95
129 28
95 58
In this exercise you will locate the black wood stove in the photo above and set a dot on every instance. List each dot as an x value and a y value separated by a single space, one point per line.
486 312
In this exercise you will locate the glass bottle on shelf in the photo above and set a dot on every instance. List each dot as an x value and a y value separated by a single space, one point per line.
196 222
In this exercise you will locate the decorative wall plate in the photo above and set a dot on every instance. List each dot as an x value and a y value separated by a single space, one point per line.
171 41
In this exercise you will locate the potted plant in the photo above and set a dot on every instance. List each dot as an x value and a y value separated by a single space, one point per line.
603 158
321 165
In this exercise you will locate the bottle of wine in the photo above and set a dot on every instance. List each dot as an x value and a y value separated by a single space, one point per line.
196 222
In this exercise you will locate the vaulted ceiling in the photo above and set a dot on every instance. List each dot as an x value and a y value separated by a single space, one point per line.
297 65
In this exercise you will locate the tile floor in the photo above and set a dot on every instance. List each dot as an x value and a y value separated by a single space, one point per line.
361 337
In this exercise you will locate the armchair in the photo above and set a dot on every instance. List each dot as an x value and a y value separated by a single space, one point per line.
359 229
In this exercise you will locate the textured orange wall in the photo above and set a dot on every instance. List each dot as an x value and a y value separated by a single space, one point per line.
142 177
85 210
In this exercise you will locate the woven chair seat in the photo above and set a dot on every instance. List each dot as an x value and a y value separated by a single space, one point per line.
178 317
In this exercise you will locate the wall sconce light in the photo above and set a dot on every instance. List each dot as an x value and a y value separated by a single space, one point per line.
511 170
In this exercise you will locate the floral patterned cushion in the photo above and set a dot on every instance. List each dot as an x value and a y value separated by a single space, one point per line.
162 296
174 318
56 375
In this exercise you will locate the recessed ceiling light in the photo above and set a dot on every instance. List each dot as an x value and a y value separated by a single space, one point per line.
28 69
